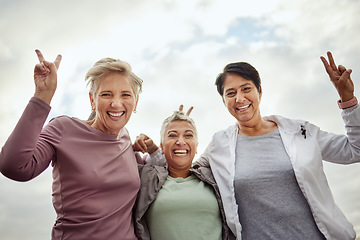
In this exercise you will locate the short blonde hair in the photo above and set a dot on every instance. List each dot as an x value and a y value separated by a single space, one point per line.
108 65
176 116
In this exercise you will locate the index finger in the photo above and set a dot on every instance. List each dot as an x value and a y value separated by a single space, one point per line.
57 61
189 111
40 56
331 61
328 68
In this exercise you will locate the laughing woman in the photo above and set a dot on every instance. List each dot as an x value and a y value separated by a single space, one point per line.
179 201
269 169
95 173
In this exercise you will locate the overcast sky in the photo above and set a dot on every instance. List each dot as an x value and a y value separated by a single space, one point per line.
177 48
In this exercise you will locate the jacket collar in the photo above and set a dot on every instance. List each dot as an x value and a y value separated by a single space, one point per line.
285 125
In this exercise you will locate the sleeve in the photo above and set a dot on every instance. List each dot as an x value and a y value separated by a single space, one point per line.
156 158
140 159
26 154
203 160
343 149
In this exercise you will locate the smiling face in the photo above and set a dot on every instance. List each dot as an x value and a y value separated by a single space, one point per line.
114 101
179 146
242 99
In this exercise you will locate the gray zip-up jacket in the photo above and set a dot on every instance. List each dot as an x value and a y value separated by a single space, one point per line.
152 178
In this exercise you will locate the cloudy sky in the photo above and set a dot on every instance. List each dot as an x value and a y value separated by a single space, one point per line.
177 48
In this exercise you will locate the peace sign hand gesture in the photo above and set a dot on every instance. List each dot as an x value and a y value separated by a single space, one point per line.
340 77
181 108
45 77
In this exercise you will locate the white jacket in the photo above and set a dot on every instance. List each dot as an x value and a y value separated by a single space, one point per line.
306 146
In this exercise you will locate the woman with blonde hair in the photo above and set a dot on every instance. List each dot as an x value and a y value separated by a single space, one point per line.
95 173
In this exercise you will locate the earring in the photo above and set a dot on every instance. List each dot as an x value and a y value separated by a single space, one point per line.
134 111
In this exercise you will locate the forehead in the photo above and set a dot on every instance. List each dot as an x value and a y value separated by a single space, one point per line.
179 125
232 80
114 80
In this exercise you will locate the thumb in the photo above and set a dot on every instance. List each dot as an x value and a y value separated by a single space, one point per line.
148 142
346 75
50 66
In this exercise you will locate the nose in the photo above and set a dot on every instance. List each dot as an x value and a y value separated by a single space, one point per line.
180 141
240 97
116 103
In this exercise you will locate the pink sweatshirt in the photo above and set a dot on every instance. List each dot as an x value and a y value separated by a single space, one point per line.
95 175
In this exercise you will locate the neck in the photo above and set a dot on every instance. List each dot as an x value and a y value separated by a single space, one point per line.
90 122
175 173
257 128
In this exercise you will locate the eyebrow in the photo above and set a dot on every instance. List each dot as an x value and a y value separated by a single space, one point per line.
172 131
243 85
175 131
110 90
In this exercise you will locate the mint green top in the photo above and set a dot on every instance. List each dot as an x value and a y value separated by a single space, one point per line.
185 208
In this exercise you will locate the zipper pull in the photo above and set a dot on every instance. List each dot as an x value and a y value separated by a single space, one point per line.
303 131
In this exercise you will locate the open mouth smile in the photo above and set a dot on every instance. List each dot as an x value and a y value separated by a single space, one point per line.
182 152
243 108
116 114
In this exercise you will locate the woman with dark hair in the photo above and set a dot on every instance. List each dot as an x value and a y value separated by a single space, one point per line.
269 169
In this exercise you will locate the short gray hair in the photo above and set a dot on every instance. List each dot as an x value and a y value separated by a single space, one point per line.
108 65
176 116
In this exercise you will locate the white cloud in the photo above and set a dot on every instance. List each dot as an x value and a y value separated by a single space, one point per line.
177 47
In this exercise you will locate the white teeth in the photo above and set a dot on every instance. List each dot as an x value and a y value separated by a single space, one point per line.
243 107
116 114
180 151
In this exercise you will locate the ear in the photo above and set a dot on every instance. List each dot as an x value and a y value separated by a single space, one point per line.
162 149
260 92
92 101
136 101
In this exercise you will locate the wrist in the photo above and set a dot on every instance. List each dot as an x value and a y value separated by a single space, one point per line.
44 97
153 149
347 104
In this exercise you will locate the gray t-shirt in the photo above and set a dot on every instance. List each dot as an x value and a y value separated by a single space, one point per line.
271 204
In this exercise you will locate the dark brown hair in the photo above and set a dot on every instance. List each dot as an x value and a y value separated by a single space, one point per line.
243 69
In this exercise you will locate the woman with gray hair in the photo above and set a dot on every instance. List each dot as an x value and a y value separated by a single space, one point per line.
95 173
178 201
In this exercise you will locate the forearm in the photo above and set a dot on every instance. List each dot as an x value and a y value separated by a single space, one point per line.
343 149
17 158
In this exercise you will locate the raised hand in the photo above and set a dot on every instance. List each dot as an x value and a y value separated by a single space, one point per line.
45 77
340 77
181 108
144 144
